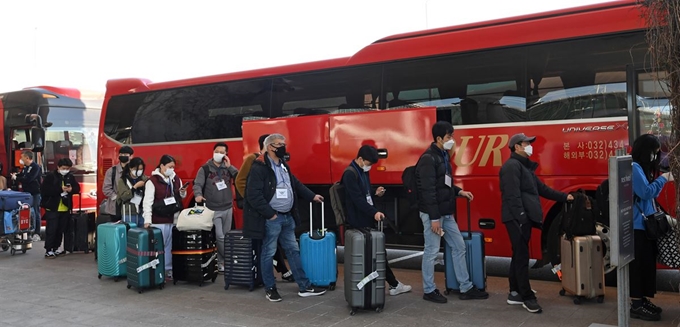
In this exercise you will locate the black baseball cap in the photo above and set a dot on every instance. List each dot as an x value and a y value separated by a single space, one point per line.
519 138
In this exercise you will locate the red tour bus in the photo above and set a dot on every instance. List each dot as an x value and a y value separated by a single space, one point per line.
55 123
571 77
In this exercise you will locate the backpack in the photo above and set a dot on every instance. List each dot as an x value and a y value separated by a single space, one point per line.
337 195
580 216
408 178
602 198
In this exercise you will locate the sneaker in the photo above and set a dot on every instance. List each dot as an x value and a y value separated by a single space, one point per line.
168 275
288 276
311 291
220 268
473 294
36 238
515 298
642 312
50 255
651 306
272 295
58 253
435 297
532 306
401 288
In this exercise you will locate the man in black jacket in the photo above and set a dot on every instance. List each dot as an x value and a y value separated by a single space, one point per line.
521 210
29 177
57 199
359 203
437 203
270 213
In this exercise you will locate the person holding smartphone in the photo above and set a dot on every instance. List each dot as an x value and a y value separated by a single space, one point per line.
57 198
130 190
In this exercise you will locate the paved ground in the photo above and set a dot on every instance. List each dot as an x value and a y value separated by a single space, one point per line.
66 292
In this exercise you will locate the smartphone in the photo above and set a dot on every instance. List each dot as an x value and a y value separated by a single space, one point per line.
186 184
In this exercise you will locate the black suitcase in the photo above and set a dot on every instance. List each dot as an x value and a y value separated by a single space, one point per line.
242 260
194 256
80 231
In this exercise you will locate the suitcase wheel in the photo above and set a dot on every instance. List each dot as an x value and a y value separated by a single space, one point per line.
161 286
213 279
600 299
140 291
115 279
562 292
129 286
379 309
331 287
252 287
226 287
99 276
23 251
200 284
174 282
577 300
353 312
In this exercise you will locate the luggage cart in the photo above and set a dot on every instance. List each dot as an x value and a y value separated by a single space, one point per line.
19 240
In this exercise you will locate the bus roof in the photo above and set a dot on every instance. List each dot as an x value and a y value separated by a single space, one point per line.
42 96
591 20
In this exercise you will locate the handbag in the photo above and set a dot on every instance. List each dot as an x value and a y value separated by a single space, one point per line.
196 218
656 224
669 245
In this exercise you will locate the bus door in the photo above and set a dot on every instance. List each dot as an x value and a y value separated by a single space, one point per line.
649 112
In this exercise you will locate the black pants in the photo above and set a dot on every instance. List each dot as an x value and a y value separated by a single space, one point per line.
519 265
642 270
56 228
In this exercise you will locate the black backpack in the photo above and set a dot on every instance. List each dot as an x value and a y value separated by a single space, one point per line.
408 178
602 198
580 216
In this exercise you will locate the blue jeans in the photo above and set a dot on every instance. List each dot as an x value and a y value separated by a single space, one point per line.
452 237
36 212
281 229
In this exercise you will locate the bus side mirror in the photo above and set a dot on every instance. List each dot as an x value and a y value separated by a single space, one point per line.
38 139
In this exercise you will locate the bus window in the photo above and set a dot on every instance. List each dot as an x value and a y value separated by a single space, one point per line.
654 108
72 135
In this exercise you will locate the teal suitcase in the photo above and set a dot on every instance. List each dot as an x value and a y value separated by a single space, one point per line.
145 259
111 249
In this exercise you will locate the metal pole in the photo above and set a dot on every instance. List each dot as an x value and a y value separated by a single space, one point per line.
623 293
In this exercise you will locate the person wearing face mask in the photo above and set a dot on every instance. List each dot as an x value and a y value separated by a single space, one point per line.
521 211
162 202
360 211
130 190
270 214
57 199
109 204
29 178
212 187
436 205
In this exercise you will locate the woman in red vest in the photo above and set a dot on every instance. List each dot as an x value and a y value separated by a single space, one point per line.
163 194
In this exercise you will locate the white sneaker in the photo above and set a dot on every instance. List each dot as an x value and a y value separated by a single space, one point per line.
401 288
36 238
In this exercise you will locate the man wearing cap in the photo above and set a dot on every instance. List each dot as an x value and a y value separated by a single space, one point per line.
521 210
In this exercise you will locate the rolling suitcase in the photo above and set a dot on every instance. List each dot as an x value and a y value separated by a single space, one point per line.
317 253
474 257
241 260
194 256
145 259
112 247
365 269
582 268
80 231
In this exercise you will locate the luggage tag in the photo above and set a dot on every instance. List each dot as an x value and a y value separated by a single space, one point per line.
447 180
136 199
169 201
369 199
221 185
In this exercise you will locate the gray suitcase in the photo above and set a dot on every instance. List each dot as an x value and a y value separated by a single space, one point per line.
365 264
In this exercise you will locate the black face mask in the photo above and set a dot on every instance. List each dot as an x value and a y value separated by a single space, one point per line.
280 152
124 159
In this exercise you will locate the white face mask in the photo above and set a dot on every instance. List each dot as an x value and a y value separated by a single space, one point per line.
529 150
169 172
63 172
21 161
218 157
448 145
137 173
367 168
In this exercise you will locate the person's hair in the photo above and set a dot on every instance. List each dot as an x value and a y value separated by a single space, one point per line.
368 153
643 148
272 137
441 129
133 164
165 159
126 149
219 144
65 162
28 154
261 140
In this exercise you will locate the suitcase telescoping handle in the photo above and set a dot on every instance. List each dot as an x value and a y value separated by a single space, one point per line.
469 220
311 214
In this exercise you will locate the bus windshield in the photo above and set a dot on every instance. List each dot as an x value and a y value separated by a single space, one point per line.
73 135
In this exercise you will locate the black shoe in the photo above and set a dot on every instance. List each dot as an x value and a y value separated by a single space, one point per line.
532 306
288 276
651 306
311 291
435 297
644 313
514 298
50 255
473 294
272 295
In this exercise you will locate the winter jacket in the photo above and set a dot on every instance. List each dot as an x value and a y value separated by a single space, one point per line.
51 191
216 200
435 198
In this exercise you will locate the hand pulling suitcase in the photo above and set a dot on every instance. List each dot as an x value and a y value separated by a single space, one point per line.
365 269
317 253
474 257
112 247
80 231
582 268
241 260
194 256
145 259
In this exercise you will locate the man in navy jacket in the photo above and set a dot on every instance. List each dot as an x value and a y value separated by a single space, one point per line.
29 177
